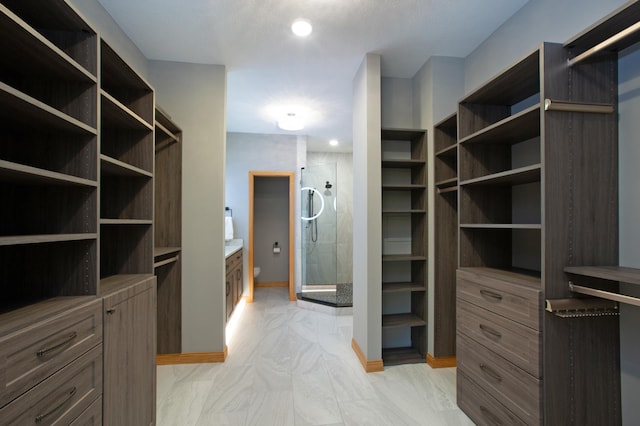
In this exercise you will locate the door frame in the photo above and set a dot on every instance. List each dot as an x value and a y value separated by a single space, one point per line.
291 177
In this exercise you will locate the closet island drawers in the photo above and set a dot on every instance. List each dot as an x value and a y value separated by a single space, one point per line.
32 353
62 397
519 391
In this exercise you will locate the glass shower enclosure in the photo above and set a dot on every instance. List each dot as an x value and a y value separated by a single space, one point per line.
318 195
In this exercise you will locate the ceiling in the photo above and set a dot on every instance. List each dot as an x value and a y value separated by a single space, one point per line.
270 70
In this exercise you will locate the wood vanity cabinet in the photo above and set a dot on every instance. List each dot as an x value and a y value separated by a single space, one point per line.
234 281
130 351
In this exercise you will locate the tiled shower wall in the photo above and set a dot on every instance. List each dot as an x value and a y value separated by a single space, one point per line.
344 184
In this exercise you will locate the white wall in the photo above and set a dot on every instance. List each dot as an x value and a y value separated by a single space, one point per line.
259 152
367 217
195 97
397 103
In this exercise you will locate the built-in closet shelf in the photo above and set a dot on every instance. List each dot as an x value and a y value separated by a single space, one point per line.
616 31
501 225
409 211
19 108
516 128
117 113
402 320
448 189
126 222
447 183
410 187
402 134
398 164
34 312
401 257
518 176
518 82
164 251
450 151
166 262
402 287
42 239
114 167
27 174
611 273
41 58
113 283
396 356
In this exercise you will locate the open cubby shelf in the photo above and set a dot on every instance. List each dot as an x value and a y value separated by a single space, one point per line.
516 128
28 174
402 320
517 176
402 355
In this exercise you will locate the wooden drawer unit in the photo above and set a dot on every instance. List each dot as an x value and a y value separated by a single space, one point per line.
92 416
481 407
516 389
31 354
518 300
62 397
514 342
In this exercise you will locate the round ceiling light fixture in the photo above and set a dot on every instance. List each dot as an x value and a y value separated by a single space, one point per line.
301 27
333 142
290 122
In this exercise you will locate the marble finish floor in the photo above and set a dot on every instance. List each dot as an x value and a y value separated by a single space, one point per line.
293 366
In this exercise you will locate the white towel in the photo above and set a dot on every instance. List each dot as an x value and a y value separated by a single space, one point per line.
228 228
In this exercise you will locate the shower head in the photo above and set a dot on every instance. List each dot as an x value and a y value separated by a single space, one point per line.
328 185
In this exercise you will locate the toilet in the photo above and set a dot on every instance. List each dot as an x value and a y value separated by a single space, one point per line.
256 272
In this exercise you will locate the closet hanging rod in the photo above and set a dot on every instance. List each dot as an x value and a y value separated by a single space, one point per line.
604 294
551 105
606 43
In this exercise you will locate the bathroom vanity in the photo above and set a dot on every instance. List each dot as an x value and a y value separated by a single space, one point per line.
234 275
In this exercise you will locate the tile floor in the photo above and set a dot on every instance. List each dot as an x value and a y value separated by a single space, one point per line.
292 366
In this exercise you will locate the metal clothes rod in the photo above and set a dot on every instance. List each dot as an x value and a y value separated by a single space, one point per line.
603 45
550 105
166 261
604 294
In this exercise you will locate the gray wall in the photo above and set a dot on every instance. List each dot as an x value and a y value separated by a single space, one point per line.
258 152
344 229
367 217
397 103
271 224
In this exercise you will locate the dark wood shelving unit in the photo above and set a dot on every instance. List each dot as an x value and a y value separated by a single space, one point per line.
445 161
168 232
525 171
404 259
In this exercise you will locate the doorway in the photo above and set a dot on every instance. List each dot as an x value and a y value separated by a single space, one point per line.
276 248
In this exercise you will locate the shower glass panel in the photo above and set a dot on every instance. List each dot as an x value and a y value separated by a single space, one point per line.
319 234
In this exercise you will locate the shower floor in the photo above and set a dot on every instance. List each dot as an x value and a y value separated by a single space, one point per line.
338 295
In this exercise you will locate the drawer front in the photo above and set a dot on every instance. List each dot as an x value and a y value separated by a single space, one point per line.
516 302
514 342
92 416
519 391
62 397
482 408
30 355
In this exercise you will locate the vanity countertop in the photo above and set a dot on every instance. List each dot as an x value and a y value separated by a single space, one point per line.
232 247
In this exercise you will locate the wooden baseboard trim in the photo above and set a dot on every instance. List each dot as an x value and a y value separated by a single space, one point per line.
192 358
369 366
441 362
272 284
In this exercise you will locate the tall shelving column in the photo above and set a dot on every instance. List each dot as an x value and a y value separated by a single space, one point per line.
445 141
48 163
404 252
126 170
168 231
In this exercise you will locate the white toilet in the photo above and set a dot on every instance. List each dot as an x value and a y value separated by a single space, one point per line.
256 272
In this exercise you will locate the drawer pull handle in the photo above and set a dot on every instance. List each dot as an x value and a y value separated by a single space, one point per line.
111 311
491 417
491 295
490 331
44 352
490 372
70 395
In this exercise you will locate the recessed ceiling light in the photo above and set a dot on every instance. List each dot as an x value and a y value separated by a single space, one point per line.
290 122
333 142
301 27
